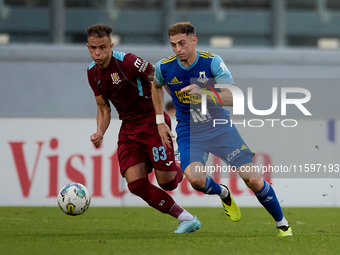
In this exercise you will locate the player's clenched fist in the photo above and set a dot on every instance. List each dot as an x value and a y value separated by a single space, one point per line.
96 139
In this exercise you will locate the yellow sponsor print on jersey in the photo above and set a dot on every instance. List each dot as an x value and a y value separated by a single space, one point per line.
185 98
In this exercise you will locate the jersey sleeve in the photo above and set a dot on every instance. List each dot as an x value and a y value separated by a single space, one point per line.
158 75
220 71
137 66
90 77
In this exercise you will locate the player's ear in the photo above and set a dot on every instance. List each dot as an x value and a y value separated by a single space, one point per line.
195 40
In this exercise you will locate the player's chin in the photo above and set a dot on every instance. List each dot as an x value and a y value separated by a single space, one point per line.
181 57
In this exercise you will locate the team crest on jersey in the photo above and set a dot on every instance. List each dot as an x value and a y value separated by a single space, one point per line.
115 78
202 77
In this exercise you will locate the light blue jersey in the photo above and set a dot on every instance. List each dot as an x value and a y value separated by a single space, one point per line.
207 70
196 134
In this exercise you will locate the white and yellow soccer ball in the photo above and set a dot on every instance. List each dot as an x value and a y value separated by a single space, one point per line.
74 199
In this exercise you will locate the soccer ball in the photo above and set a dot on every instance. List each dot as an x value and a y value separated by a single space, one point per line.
74 199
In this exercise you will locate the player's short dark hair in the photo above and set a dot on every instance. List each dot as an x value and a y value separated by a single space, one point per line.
182 28
99 30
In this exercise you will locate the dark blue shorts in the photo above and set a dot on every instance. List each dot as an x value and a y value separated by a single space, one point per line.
224 141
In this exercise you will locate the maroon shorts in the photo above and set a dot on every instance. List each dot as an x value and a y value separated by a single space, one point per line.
139 142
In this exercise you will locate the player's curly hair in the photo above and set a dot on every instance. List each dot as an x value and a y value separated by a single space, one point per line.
182 28
99 30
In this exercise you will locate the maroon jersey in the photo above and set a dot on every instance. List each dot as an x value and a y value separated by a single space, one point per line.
124 82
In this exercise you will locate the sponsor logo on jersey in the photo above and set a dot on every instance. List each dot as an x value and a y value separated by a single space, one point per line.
115 78
202 78
141 65
175 81
185 98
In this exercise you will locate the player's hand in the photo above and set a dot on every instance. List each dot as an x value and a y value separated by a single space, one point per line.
96 139
165 134
193 89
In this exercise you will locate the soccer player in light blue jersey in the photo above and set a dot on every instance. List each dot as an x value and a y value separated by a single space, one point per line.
188 75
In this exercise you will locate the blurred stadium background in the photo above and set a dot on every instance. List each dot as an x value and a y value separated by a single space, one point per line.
256 38
278 23
45 96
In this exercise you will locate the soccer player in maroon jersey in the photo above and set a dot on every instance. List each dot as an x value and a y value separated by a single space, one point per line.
124 79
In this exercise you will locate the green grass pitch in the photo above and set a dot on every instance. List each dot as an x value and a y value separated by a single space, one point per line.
143 230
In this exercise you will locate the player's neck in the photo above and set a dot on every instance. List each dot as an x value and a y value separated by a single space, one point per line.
189 61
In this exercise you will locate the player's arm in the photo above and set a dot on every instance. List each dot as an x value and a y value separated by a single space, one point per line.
226 97
222 75
158 102
152 73
103 121
167 89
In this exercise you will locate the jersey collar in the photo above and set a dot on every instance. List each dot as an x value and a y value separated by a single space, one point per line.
192 65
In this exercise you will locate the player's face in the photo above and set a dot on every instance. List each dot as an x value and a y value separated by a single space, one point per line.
184 47
100 50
